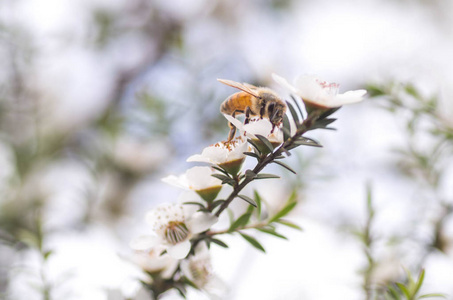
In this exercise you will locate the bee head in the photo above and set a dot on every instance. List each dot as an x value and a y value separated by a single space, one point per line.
275 112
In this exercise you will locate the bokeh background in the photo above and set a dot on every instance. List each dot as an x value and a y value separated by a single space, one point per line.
100 99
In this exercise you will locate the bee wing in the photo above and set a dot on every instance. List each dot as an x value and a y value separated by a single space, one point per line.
248 88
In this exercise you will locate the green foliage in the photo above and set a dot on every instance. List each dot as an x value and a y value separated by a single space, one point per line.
410 289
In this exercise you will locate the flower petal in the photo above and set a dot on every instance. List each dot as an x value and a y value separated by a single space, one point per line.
200 178
198 158
180 250
201 221
144 242
284 83
178 181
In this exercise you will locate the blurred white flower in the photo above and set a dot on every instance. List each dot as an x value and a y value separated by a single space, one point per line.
318 93
258 127
226 154
198 269
139 156
198 179
173 226
151 261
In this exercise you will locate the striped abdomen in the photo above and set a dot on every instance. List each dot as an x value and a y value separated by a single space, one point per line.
237 103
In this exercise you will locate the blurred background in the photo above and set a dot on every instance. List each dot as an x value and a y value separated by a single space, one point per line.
100 99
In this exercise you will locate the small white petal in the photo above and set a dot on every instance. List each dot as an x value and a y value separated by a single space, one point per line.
144 242
198 158
178 181
180 250
200 178
284 83
200 222
238 124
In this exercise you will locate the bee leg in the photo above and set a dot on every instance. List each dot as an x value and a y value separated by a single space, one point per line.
232 128
232 132
248 111
262 110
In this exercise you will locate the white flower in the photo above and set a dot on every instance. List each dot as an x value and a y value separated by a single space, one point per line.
198 269
318 93
152 261
173 226
196 178
258 127
226 154
222 152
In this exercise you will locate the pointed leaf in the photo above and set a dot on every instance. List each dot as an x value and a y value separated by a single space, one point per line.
432 295
224 179
404 290
258 202
247 199
240 222
265 142
272 232
219 242
286 128
222 170
289 207
328 113
252 241
251 142
252 154
266 176
293 113
289 224
284 166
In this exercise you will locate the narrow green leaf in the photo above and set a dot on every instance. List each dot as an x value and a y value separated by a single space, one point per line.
322 124
329 112
272 232
252 154
403 288
240 222
252 241
289 207
265 142
419 283
247 199
284 166
251 142
222 170
286 128
293 113
47 254
297 105
219 242
307 142
266 176
394 293
217 203
223 178
432 295
289 224
258 202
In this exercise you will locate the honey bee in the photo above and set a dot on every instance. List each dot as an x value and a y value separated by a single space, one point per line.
252 101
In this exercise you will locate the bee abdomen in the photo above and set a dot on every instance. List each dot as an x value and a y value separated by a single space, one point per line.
235 103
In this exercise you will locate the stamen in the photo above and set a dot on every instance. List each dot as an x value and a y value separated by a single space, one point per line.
176 232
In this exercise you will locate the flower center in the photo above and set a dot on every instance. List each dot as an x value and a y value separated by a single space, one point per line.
176 232
331 88
200 273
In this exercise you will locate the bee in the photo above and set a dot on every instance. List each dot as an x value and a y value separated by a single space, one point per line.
252 101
